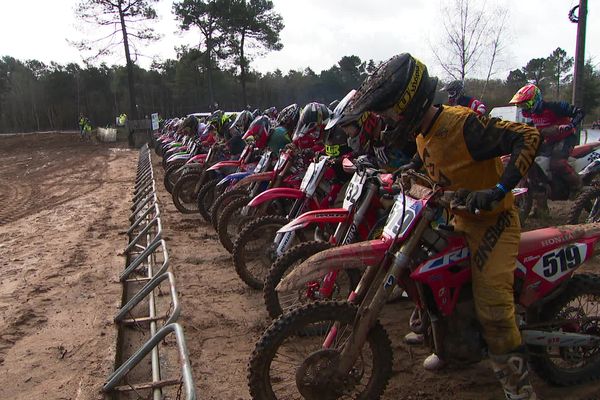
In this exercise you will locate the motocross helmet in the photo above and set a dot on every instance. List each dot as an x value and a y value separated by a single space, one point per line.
258 131
527 98
336 142
401 87
215 118
241 123
288 117
310 125
339 116
271 112
455 90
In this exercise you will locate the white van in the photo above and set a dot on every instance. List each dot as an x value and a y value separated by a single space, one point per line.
509 113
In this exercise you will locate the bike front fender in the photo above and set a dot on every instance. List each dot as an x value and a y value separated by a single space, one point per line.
225 164
263 176
276 193
327 216
198 158
353 256
233 178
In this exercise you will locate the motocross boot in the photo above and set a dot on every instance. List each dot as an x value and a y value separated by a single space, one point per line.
511 371
433 362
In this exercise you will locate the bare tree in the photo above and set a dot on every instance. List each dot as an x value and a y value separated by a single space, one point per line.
125 21
496 44
473 39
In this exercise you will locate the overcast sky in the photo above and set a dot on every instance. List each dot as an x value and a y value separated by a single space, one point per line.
317 33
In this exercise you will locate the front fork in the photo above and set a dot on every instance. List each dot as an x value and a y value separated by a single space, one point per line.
377 283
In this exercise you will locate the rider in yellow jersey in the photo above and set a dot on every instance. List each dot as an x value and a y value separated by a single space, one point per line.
460 150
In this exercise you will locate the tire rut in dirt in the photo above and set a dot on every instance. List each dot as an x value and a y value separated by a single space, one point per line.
280 353
253 251
579 303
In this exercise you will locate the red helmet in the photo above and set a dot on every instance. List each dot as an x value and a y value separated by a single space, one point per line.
528 97
258 131
310 125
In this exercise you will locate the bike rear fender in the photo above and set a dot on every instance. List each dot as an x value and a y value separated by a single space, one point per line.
326 216
351 256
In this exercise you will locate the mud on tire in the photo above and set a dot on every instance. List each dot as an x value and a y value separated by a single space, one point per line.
184 196
259 229
268 382
583 205
576 365
231 218
221 202
171 175
276 302
205 198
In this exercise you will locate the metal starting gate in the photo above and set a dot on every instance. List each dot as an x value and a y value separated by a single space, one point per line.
146 365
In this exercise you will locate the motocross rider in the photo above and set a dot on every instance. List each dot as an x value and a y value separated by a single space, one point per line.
366 136
556 122
461 150
456 97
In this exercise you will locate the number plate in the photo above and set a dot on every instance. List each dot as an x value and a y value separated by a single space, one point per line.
262 163
312 176
396 225
556 263
354 190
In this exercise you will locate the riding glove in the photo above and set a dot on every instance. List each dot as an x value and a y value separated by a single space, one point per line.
483 199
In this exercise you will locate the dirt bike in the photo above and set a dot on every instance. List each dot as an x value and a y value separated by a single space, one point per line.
209 190
258 243
361 218
173 169
287 173
353 358
242 184
584 159
185 190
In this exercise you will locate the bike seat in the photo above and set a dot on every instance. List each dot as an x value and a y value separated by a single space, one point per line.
539 239
584 149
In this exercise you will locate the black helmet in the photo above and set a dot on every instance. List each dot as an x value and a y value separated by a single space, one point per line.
401 83
288 117
454 89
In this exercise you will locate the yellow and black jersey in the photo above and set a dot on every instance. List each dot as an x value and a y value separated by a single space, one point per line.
461 150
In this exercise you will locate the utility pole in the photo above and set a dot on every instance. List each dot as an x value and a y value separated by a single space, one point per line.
580 19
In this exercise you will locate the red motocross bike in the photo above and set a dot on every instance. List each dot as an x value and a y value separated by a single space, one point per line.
258 243
557 309
361 217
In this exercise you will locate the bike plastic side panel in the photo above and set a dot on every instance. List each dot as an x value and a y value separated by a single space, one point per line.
351 256
276 193
225 164
263 176
333 215
549 256
233 178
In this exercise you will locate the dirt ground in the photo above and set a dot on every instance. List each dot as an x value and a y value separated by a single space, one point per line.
63 215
